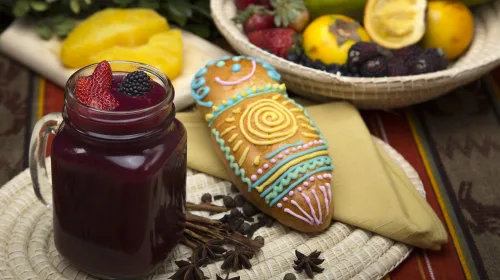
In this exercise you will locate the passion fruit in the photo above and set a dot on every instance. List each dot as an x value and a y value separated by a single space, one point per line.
450 27
395 24
329 38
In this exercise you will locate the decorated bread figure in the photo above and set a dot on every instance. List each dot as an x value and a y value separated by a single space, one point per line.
271 148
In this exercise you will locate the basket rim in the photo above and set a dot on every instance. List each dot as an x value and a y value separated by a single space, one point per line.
235 37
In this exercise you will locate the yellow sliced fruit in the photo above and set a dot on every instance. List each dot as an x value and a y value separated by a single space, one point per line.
329 38
109 28
395 24
163 51
450 27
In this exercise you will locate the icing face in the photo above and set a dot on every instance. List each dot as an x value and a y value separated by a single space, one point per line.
240 71
293 172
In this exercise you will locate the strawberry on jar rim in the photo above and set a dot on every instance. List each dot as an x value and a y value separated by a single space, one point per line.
94 90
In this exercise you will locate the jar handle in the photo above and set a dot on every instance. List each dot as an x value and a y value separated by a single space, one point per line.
47 125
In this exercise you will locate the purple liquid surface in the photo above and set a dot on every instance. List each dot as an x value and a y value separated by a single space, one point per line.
128 103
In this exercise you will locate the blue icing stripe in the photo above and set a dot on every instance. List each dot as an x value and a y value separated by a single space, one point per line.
200 93
302 168
202 72
205 104
274 75
196 83
236 68
268 66
285 161
211 63
237 170
220 63
292 186
238 58
283 148
226 57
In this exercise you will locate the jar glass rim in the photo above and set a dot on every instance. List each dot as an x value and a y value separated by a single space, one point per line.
167 84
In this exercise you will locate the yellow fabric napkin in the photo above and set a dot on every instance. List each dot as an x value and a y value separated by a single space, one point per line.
370 190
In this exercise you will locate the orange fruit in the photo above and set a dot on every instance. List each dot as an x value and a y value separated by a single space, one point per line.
450 26
329 38
395 24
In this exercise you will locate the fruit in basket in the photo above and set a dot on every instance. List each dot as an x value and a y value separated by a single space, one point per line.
163 51
361 52
431 60
266 3
397 67
375 67
329 38
109 28
450 26
255 18
319 8
408 53
397 23
277 41
243 4
285 13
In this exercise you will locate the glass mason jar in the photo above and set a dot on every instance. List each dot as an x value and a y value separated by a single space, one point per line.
118 180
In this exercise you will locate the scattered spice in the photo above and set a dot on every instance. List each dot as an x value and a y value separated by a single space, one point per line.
199 230
309 264
210 250
290 276
254 227
269 221
227 277
234 189
237 259
206 198
218 197
249 210
244 228
205 207
236 224
229 202
189 270
239 200
259 239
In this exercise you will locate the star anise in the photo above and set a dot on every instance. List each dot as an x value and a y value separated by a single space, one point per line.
309 264
189 270
227 277
210 250
237 259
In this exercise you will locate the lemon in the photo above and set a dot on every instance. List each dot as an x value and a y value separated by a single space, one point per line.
450 26
329 38
395 24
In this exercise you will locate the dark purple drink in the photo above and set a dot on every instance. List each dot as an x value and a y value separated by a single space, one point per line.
119 182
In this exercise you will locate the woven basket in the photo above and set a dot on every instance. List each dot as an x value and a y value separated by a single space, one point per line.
27 250
376 93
